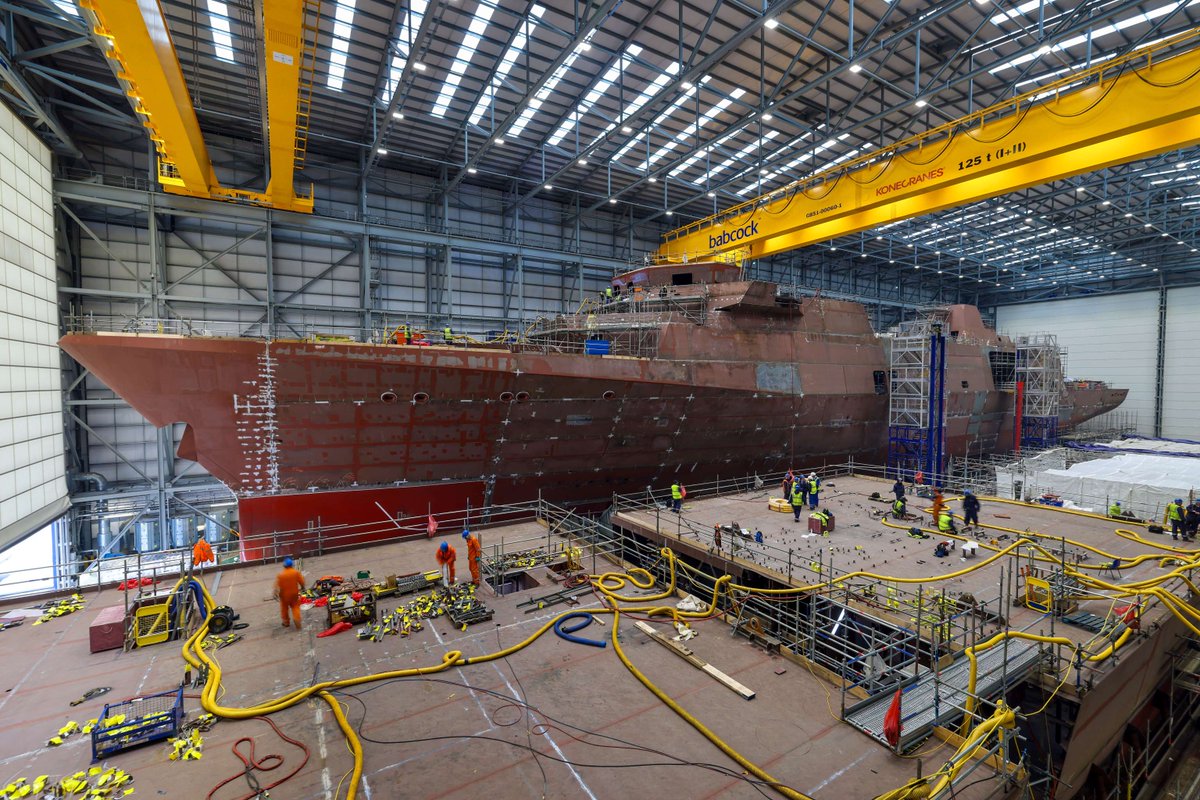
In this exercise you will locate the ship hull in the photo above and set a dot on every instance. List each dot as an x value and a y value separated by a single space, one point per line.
366 440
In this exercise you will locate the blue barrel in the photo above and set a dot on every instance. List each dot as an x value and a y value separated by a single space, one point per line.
597 347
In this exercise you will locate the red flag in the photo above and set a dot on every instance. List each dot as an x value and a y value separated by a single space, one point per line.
891 720
682 490
432 527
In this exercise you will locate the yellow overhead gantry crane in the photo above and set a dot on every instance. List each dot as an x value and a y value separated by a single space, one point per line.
1128 108
138 44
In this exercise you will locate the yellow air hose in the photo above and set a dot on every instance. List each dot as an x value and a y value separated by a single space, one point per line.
610 583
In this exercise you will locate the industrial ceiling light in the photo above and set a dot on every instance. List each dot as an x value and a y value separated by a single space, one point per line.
921 102
1146 225
626 129
1081 190
381 151
418 66
772 23
499 140
856 68
652 179
397 115
670 213
1107 203
1128 214
767 117
612 201
712 194
548 188
583 162
471 170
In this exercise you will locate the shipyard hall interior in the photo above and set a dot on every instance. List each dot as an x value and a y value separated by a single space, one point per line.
600 399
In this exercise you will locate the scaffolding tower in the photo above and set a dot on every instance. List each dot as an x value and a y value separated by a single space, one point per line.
1040 366
917 401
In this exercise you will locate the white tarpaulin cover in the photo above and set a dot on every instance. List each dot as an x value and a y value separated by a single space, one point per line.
1144 484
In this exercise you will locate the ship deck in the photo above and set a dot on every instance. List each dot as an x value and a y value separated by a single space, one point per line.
460 733
861 541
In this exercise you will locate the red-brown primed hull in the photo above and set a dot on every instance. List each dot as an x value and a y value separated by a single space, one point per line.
295 428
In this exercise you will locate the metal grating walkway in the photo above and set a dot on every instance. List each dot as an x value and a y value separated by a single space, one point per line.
922 709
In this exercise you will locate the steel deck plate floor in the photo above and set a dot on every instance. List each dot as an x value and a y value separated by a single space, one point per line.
449 737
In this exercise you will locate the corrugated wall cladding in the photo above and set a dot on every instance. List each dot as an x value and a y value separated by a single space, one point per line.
31 442
1115 338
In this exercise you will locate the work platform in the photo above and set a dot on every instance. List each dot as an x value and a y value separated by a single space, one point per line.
939 698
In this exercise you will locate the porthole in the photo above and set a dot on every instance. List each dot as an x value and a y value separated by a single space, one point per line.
389 397
522 397
506 397
420 397
609 395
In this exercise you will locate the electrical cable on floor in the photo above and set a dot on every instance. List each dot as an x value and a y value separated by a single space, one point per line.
526 715
566 728
268 763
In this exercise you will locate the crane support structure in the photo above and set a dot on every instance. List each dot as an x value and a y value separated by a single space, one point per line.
1145 103
138 45
137 41
290 27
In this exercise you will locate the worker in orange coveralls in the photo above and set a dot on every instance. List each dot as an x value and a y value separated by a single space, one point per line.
939 504
446 558
202 552
474 555
288 584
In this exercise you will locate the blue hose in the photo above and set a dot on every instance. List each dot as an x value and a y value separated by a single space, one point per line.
566 632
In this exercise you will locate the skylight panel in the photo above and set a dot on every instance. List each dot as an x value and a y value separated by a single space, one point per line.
663 117
339 47
1013 13
646 96
404 42
691 130
466 51
218 18
548 88
596 93
507 63
738 156
702 152
835 162
1104 30
67 7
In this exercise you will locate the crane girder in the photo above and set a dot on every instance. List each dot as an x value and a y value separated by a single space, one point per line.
1124 110
137 41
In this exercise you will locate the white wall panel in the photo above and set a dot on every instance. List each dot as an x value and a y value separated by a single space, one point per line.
1181 379
1112 338
32 464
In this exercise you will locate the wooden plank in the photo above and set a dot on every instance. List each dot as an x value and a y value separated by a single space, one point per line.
699 663
741 689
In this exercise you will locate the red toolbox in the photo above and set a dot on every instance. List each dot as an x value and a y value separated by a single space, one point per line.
107 631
